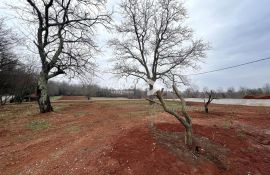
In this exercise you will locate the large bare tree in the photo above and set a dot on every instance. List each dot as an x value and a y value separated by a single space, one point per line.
64 38
153 41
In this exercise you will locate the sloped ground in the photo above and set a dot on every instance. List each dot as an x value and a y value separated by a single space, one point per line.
131 137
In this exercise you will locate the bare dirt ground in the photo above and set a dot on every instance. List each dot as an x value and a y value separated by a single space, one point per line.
73 98
131 137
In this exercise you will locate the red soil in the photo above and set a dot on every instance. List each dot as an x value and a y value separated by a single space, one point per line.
100 138
242 157
139 153
257 97
73 98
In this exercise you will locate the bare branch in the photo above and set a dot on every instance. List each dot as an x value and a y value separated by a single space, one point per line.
153 37
64 38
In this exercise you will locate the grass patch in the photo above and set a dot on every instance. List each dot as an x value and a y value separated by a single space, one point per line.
173 104
81 114
58 107
136 114
25 138
38 125
73 129
13 111
241 133
54 98
227 124
177 106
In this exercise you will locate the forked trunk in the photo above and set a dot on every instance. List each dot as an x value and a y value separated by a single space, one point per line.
42 93
188 136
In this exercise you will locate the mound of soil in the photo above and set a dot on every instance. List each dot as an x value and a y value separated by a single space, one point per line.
257 97
233 151
140 152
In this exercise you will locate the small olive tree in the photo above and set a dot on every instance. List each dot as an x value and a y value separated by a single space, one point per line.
183 117
210 98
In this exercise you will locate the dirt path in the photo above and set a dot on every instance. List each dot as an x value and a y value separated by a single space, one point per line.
127 137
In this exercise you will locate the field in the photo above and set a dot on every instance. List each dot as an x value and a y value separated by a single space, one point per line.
132 137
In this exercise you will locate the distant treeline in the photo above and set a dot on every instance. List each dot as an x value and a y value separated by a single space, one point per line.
65 89
17 80
93 90
229 93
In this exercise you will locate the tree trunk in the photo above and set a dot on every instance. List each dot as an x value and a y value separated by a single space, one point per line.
188 136
206 108
42 93
151 96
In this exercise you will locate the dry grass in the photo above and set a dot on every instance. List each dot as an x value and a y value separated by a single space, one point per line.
11 112
38 124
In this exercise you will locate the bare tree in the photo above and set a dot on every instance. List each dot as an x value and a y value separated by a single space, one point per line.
183 117
90 90
266 89
64 38
24 82
8 61
210 98
152 42
7 43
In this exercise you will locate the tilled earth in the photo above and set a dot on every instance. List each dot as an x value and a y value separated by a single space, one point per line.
131 137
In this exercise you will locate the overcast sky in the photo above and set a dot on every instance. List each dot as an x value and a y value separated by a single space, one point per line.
238 32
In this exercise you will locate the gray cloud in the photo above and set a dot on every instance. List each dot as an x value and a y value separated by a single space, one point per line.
238 31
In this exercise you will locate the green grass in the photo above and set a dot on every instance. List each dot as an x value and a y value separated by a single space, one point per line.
38 125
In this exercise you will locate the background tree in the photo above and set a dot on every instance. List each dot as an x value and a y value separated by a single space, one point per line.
64 38
24 82
8 61
210 97
155 43
266 88
90 90
230 92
